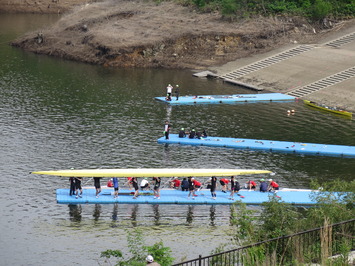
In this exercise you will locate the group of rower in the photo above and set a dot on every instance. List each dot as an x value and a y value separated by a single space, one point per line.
189 184
192 134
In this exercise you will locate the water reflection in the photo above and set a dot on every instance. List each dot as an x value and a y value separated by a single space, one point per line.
97 212
169 109
213 215
75 212
115 212
134 215
190 214
156 214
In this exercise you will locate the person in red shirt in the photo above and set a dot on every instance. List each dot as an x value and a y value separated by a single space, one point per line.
251 185
197 185
175 183
224 183
273 186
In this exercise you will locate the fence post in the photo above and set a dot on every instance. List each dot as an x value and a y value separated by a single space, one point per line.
199 260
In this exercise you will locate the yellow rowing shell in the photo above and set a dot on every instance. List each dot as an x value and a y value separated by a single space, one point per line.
339 112
150 172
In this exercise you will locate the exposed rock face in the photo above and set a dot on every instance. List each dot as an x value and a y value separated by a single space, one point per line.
145 34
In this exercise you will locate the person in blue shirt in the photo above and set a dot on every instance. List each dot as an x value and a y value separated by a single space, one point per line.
115 187
263 185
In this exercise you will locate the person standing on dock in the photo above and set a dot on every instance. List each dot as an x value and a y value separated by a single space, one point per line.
157 187
78 187
213 187
235 187
134 183
169 91
115 187
97 186
167 127
72 186
177 92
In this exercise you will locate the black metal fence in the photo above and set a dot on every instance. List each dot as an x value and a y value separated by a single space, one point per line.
312 246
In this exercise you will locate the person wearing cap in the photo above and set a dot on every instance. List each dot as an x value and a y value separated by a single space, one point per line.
182 133
110 183
144 184
263 185
192 134
273 186
177 92
169 90
235 187
150 261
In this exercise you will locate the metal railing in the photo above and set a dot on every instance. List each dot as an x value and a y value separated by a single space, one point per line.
311 246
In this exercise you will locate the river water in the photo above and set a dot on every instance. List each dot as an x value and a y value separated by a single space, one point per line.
57 114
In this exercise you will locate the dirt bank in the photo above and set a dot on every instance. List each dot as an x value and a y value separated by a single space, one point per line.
143 34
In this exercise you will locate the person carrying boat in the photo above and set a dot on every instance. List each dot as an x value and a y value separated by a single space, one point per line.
191 187
263 185
197 185
115 187
78 187
72 186
167 127
251 185
213 187
185 184
134 183
175 183
235 187
97 186
273 186
224 183
157 181
144 184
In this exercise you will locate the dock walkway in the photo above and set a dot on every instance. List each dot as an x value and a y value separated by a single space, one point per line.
268 145
236 98
173 196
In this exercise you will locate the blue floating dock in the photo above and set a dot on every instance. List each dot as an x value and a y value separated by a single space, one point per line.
236 98
268 145
172 196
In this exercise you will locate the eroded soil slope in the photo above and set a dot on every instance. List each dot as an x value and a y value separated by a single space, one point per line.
143 34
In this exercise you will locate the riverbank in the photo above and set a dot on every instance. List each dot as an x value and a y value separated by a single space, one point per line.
143 34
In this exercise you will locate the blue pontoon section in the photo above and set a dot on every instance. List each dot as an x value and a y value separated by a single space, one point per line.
172 196
241 98
268 145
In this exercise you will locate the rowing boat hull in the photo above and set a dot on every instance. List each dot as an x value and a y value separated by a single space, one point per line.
150 172
345 113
